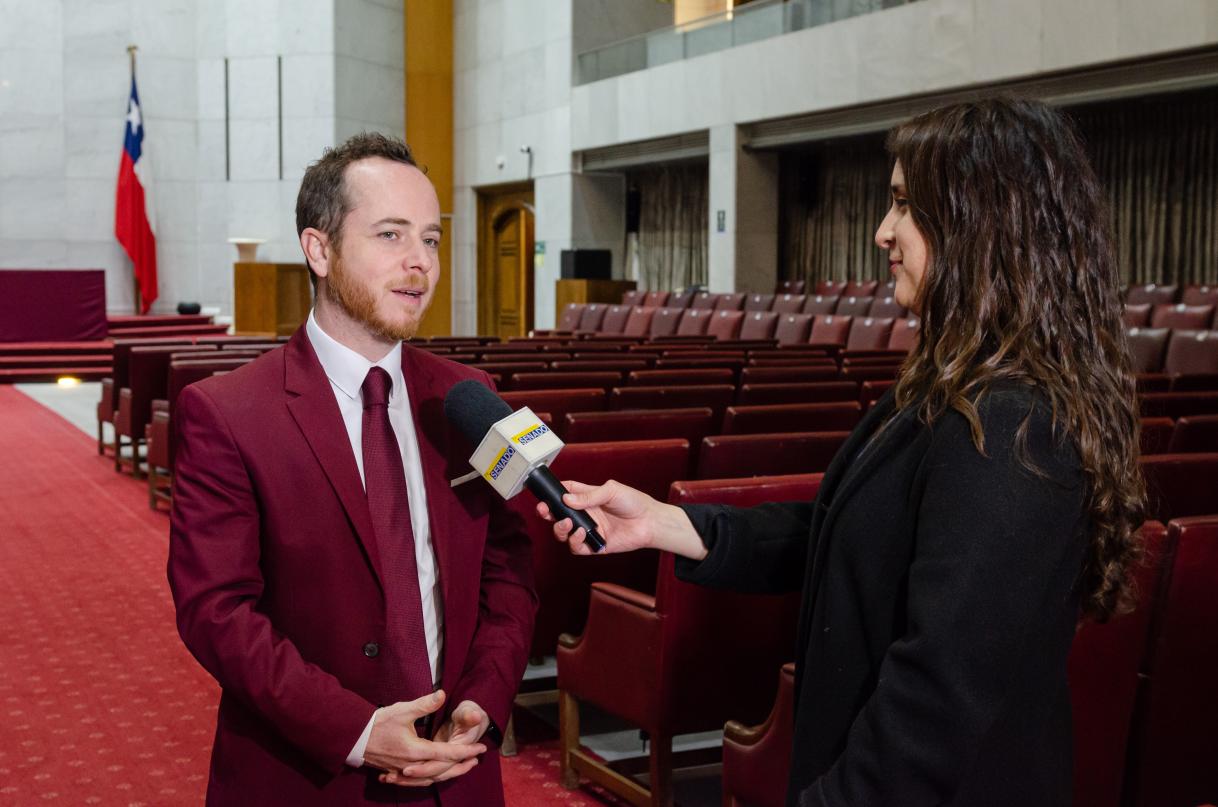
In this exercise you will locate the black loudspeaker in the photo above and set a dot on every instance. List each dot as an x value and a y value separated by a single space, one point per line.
587 264
189 308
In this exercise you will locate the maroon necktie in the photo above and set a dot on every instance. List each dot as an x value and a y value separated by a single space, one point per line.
408 670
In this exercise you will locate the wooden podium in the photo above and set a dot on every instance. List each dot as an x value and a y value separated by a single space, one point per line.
270 299
589 291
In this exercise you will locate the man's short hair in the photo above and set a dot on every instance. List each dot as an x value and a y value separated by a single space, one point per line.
322 202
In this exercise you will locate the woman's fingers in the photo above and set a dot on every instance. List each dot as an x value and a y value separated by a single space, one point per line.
583 496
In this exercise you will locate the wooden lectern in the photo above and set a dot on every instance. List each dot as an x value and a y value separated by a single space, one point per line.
589 291
270 299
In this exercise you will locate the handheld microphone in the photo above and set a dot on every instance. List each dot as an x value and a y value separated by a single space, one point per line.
514 450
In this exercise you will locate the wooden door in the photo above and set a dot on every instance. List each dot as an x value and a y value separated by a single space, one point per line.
505 266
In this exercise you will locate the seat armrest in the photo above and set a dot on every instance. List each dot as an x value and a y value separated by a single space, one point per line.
160 405
627 595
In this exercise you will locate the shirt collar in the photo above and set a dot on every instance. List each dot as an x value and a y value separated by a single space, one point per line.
347 369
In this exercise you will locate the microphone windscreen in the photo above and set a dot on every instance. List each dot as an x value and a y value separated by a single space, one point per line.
473 408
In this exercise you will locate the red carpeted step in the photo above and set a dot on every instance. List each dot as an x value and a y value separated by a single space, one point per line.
52 360
114 323
30 375
105 347
169 330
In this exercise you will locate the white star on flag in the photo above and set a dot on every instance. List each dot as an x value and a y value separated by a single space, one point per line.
133 116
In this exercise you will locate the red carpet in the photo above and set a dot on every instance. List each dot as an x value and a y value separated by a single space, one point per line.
100 702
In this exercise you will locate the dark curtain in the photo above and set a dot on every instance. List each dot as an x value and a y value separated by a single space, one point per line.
673 203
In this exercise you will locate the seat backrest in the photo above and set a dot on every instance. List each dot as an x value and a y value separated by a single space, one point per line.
717 396
791 374
655 299
572 313
1146 348
721 648
558 402
725 324
691 424
758 302
869 333
791 287
665 321
639 321
872 390
191 368
820 304
788 303
904 334
853 306
1199 295
1176 405
1194 382
809 392
827 287
1179 315
148 378
860 288
549 379
758 325
633 297
609 361
614 320
1151 293
670 378
704 299
1136 315
593 316
793 329
1192 351
1155 436
886 307
1193 434
507 368
694 322
829 329
1180 485
1175 750
681 299
813 417
731 301
1105 665
870 372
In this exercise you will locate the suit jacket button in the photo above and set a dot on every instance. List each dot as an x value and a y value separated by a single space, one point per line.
372 650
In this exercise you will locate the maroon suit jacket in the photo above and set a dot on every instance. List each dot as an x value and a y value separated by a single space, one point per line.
277 582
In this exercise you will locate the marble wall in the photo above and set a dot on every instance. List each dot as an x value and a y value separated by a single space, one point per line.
327 67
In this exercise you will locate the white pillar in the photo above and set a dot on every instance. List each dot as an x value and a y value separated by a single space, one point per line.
743 193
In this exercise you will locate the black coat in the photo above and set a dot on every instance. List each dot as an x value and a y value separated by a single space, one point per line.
939 604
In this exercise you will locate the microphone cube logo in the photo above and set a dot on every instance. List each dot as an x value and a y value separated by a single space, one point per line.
501 462
530 434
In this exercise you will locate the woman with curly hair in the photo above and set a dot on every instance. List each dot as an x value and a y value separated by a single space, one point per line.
984 504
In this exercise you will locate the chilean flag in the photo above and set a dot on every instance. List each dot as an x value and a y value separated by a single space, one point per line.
131 225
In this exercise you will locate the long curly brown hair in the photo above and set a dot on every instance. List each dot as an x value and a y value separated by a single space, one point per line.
1022 284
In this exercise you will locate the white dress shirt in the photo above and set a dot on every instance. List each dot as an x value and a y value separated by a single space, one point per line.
346 370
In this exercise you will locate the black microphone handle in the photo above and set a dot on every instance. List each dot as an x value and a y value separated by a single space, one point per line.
542 483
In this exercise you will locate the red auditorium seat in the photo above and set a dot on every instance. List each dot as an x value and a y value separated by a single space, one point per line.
1105 673
813 417
759 302
564 580
732 301
694 322
604 379
853 306
572 313
1195 433
904 334
1153 382
1194 382
682 661
869 333
717 396
829 330
638 324
871 391
609 362
788 304
820 304
614 321
870 372
664 322
791 287
725 324
698 364
1180 485
1146 348
1173 752
704 300
655 299
558 402
758 325
1136 315
1181 316
861 288
669 378
793 329
1155 436
1151 293
593 316
1176 405
633 298
1191 351
788 375
508 368
834 287
886 307
811 392
691 424
757 759
1199 295
681 299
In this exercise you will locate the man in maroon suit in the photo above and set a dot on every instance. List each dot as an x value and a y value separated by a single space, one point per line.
368 623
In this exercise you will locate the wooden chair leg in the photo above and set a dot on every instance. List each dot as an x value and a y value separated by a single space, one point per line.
660 771
101 439
152 479
118 452
508 749
568 732
137 472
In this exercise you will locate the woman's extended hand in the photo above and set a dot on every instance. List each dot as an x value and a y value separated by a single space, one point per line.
627 519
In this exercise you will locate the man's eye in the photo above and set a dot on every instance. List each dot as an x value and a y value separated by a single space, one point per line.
388 235
434 243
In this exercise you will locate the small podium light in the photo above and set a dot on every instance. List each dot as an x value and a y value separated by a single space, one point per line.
68 381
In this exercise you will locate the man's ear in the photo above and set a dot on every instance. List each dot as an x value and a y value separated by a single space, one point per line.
316 246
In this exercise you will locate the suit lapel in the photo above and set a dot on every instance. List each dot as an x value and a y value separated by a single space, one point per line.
320 421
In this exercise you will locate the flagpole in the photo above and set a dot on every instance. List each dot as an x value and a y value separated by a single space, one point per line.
131 49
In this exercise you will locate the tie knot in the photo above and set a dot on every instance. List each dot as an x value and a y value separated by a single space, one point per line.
375 388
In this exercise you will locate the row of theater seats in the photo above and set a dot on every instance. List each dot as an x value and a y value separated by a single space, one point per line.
1171 315
851 304
694 298
1168 293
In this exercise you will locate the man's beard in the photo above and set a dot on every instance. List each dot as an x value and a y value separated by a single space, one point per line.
360 304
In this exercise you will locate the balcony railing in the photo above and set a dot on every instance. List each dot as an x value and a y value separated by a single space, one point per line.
748 23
